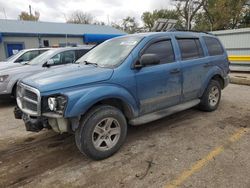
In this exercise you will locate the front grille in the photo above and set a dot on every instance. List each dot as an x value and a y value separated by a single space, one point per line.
31 95
28 99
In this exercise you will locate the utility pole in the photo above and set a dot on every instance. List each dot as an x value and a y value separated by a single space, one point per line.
190 6
4 14
30 9
108 20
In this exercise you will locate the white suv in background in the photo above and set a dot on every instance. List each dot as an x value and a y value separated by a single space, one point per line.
22 57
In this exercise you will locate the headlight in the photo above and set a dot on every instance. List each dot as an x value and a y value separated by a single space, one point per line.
3 78
57 104
52 103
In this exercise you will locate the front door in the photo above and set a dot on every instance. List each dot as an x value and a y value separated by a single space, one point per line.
159 86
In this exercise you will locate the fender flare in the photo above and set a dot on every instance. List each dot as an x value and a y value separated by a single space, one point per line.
211 73
81 101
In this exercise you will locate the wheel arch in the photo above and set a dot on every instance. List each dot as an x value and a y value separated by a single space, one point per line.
119 103
214 74
118 97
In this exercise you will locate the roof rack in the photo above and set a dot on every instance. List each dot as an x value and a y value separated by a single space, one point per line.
184 30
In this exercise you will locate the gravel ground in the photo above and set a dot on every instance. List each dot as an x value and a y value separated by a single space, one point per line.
153 155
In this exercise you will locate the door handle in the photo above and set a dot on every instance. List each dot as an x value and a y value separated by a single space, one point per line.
175 71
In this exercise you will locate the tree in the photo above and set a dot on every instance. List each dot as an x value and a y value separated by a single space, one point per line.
222 14
129 25
245 22
26 16
188 9
117 25
149 18
79 17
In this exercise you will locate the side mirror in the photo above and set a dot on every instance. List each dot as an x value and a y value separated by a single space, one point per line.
50 62
149 59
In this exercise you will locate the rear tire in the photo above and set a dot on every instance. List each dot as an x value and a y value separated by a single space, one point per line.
211 97
102 132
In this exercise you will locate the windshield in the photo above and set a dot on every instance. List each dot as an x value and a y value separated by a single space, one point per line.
42 58
14 56
112 52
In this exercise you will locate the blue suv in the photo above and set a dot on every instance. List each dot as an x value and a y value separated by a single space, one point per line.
133 79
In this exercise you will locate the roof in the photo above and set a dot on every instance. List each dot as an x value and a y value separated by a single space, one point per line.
51 28
231 31
32 49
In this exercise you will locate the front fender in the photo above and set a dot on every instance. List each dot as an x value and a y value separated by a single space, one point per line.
79 101
210 74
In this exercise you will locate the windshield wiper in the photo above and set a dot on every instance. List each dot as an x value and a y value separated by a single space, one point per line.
90 63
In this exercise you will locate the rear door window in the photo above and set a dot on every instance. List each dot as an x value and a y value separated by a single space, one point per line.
214 47
163 49
190 48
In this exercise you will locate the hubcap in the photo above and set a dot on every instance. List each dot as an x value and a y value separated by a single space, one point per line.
106 134
213 97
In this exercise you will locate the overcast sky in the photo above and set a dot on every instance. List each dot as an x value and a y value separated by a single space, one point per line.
102 10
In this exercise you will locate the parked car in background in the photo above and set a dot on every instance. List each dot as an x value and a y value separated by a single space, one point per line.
50 59
23 56
132 79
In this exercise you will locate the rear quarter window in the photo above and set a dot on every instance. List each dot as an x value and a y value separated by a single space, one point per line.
214 46
190 48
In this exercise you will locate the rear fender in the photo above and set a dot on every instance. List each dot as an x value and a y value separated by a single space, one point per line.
211 73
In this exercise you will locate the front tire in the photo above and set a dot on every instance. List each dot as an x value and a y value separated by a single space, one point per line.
211 97
102 132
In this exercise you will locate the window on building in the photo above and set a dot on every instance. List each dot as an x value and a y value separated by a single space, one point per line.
163 49
46 43
213 45
190 49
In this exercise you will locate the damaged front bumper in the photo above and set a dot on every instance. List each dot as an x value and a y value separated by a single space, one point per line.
57 123
33 124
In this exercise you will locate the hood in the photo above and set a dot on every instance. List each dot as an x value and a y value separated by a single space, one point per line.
4 65
68 76
15 70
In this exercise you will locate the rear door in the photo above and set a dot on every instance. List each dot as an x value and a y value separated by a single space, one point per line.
159 86
194 66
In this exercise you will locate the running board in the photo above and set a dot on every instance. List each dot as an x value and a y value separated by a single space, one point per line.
163 113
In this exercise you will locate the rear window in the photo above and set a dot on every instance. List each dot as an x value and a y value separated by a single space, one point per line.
190 49
213 45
